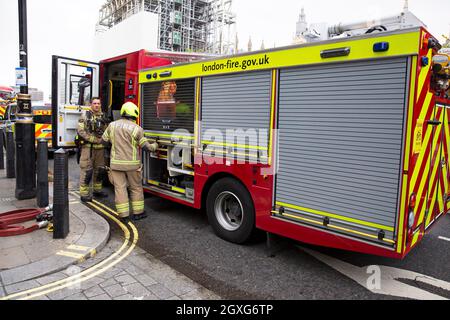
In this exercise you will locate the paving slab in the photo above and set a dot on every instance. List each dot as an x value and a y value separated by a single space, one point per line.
161 291
115 291
94 292
145 280
125 279
11 257
137 290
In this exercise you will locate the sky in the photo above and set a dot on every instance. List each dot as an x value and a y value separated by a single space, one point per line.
67 28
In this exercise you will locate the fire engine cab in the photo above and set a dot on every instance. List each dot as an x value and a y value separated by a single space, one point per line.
75 82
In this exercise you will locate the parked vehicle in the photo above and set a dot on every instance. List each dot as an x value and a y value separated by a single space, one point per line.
339 143
42 117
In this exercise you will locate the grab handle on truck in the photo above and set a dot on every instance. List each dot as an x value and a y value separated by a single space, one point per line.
433 122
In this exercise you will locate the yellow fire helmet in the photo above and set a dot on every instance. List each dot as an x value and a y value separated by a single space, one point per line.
130 110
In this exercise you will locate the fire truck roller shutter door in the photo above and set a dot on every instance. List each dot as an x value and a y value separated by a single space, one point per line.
341 141
238 102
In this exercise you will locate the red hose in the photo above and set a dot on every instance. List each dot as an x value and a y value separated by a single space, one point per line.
8 219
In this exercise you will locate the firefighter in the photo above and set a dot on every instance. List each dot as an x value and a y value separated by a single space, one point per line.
126 136
91 127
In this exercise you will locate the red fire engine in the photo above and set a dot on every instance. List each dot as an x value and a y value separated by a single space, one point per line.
340 143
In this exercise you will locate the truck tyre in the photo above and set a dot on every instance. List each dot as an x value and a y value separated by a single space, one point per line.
230 211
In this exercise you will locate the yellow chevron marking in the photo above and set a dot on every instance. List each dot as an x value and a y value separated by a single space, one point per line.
409 129
422 212
440 199
444 185
423 151
425 178
426 106
415 238
447 160
420 161
438 191
432 205
420 192
433 176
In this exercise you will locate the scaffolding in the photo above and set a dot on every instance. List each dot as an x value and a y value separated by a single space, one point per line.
184 25
221 30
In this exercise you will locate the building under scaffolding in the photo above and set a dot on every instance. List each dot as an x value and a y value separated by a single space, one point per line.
184 25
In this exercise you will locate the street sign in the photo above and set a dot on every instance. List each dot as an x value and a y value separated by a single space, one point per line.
21 77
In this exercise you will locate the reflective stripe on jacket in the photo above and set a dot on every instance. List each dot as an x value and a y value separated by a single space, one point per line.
126 138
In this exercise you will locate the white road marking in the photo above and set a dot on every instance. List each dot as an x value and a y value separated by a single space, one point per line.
444 238
389 284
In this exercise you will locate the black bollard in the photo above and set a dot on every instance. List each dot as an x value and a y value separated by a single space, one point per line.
42 174
10 155
2 154
25 160
61 195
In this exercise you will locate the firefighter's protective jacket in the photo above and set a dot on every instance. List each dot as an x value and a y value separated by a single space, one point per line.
126 137
91 127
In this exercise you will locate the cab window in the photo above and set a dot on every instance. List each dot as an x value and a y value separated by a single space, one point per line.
79 86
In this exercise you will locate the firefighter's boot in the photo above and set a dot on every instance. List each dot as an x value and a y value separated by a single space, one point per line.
86 199
138 217
100 194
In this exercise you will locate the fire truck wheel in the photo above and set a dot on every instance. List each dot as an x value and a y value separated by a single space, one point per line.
230 211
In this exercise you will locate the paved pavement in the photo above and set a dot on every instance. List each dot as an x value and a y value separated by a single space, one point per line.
138 277
27 256
90 264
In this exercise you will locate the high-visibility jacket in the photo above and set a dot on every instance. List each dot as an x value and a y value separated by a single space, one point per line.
2 110
91 127
126 138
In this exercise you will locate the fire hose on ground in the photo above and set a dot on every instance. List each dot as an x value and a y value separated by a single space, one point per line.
9 221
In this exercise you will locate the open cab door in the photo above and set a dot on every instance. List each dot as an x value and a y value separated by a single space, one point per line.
74 83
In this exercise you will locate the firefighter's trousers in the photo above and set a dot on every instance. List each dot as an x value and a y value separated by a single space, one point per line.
124 181
91 162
